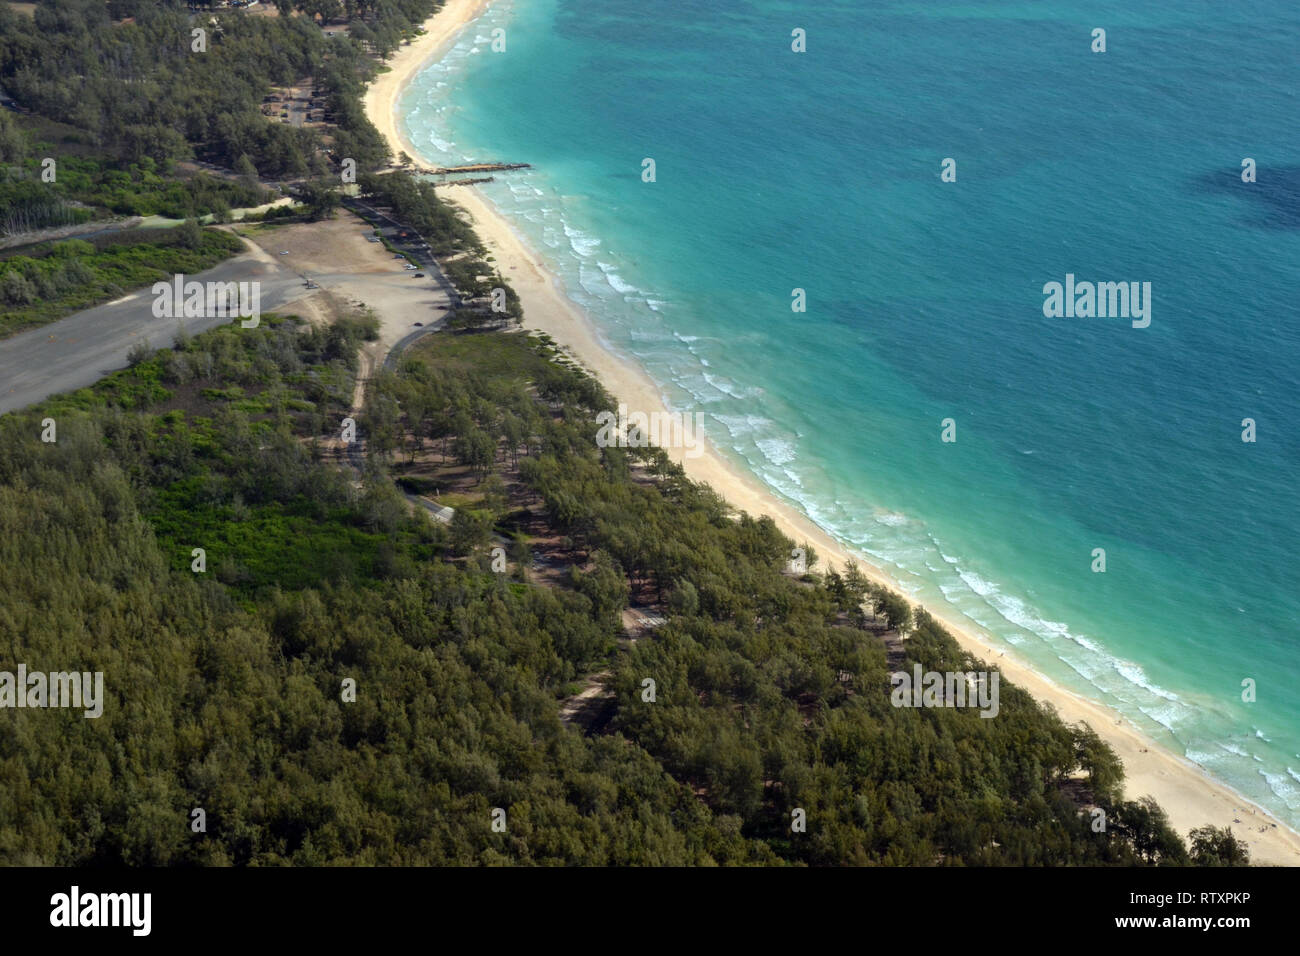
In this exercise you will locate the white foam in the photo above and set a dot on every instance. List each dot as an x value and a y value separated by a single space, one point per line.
1282 788
779 451
728 387
615 280
591 280
1133 672
582 243
890 519
742 425
976 583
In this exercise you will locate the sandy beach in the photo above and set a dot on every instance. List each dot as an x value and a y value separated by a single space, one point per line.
1188 795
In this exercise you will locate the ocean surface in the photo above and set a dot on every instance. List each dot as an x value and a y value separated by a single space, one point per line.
821 171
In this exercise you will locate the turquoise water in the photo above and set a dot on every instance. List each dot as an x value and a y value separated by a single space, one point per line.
821 171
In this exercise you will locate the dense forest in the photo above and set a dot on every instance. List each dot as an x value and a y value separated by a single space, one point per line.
110 100
291 643
141 89
225 685
115 95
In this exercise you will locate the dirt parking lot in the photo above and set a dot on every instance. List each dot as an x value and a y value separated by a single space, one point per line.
331 246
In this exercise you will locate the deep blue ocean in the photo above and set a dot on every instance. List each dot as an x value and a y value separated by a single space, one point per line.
821 170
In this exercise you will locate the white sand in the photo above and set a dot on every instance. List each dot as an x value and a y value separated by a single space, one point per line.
1188 794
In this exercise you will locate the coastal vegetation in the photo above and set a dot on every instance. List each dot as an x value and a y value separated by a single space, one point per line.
124 108
225 684
417 204
50 178
54 279
140 89
293 645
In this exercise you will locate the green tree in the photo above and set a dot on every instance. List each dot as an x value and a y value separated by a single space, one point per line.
140 352
475 448
246 170
896 609
13 144
1105 772
1216 846
16 288
684 599
320 200
190 233
470 530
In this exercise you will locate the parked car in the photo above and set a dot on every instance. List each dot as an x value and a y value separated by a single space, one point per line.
418 275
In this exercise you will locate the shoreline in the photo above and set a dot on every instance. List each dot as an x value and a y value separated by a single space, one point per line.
1187 793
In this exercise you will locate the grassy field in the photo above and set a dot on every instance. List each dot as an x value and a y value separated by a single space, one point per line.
513 355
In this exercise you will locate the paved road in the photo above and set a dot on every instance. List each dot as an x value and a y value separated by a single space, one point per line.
439 513
356 451
395 353
81 349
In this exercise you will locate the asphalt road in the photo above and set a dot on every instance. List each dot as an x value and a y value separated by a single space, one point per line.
81 349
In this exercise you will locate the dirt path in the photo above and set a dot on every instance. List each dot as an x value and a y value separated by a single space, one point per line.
585 707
